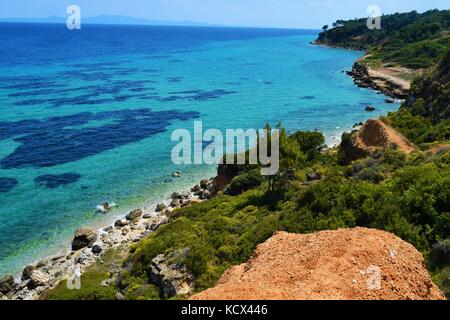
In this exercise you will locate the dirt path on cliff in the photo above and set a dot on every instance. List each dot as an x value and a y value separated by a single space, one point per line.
398 139
395 75
377 134
440 147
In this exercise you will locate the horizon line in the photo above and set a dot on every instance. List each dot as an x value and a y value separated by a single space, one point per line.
141 22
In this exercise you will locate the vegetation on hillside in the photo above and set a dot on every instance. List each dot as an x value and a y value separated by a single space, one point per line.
404 194
425 116
411 39
408 195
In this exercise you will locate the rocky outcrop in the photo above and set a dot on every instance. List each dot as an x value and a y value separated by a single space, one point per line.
160 207
38 278
84 237
7 284
373 135
133 215
385 80
171 277
27 271
347 264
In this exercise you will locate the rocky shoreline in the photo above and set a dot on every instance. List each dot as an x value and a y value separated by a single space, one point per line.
89 245
364 78
377 79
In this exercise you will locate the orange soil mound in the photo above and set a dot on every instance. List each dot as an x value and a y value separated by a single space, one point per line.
338 264
375 133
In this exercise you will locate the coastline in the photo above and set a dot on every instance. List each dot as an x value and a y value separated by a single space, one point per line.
53 269
387 81
48 272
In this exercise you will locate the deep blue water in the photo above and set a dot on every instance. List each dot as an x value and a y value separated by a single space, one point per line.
87 116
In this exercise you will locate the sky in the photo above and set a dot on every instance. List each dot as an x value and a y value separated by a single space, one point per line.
256 13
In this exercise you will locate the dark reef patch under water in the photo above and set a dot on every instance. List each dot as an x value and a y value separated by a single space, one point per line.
6 184
63 143
197 95
34 87
56 180
175 79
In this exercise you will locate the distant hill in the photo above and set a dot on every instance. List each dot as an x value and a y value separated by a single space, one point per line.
109 19
414 40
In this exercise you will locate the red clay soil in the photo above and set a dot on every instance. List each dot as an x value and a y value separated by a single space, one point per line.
375 133
440 148
340 264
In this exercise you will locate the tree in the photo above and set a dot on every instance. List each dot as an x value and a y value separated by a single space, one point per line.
325 27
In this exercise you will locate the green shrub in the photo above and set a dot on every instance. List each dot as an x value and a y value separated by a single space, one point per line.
244 182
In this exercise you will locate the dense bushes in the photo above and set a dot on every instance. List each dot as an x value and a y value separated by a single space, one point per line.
244 182
425 116
409 196
410 199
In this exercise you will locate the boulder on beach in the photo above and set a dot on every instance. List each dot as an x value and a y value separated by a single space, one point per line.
27 271
204 183
121 223
38 278
175 203
96 249
6 284
168 211
160 207
84 237
176 195
133 215
205 194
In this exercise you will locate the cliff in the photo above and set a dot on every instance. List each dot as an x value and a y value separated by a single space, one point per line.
392 81
373 135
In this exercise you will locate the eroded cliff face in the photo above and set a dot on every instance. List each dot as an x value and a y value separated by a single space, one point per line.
350 264
373 135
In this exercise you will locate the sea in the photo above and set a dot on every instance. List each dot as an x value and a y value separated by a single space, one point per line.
86 116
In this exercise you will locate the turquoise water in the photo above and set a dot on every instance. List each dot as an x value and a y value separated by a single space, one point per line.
77 130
